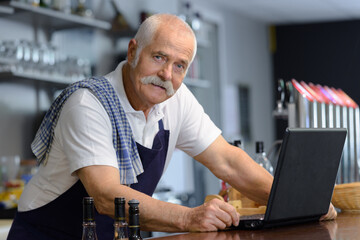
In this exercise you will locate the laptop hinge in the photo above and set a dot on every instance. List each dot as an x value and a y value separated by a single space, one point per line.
283 222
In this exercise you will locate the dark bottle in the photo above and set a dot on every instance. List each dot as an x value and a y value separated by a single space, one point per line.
134 220
238 143
45 3
120 224
89 225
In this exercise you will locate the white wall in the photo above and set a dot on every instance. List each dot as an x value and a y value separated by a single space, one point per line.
248 62
244 59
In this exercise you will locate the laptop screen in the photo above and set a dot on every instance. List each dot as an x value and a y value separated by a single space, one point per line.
305 174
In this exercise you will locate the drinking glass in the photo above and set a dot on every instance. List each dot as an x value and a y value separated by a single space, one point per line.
10 166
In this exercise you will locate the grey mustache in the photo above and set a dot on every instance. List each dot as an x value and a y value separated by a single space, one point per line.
158 82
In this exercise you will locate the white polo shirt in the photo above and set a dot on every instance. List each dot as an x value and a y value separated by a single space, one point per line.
83 137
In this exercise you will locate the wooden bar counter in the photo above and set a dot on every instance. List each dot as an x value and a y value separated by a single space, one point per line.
346 226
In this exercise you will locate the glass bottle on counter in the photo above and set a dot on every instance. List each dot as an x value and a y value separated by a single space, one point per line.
89 225
134 220
120 224
261 159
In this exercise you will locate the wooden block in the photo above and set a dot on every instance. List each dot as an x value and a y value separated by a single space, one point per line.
236 204
213 196
248 203
233 194
251 211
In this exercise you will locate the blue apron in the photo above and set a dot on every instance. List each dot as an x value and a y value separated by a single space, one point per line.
62 218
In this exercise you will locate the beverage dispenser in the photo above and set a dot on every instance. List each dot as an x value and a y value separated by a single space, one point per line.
316 106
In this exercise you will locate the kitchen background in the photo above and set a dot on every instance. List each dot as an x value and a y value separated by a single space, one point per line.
241 55
233 53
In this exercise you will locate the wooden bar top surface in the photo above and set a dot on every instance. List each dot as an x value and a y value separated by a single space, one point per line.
346 226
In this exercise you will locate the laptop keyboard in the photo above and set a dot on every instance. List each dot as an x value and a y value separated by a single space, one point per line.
252 217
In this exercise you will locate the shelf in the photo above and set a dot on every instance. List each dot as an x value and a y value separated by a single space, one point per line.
6 10
54 19
36 77
195 82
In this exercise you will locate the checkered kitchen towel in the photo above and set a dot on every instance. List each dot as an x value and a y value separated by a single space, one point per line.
127 154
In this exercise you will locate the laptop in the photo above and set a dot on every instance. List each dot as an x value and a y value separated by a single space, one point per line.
304 178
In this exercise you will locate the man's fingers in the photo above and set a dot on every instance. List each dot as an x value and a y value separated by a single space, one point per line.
211 216
219 224
224 217
218 213
232 216
332 214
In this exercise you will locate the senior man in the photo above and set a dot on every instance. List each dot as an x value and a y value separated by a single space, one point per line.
112 136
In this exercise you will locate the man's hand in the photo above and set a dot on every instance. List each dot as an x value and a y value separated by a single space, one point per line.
211 216
332 214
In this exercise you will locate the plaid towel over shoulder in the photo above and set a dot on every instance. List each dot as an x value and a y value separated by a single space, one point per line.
126 150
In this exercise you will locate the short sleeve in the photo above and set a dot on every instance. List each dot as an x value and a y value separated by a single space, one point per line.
85 132
197 130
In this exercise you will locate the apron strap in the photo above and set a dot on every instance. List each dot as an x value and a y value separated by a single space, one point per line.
161 124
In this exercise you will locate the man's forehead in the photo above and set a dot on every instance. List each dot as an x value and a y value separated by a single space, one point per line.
173 41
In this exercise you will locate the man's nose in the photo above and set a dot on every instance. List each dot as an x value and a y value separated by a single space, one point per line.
166 72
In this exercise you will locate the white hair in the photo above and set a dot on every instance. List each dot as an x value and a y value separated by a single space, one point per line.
148 29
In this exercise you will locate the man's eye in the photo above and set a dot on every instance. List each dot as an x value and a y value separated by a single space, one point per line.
180 67
158 58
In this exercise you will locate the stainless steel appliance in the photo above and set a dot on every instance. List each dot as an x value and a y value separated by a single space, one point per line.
316 106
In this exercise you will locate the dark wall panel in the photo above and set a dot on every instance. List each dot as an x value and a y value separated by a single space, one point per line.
324 53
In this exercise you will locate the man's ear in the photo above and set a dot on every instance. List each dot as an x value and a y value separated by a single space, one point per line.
131 50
